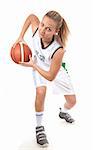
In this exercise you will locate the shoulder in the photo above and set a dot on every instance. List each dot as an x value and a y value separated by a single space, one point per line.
57 58
59 52
58 55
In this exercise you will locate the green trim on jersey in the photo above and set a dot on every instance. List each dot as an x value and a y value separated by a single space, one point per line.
64 66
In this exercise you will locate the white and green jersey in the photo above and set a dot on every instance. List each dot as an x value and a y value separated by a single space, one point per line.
44 55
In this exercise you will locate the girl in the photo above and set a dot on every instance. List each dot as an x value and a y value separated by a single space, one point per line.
49 41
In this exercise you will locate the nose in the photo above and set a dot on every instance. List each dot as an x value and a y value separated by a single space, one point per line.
43 30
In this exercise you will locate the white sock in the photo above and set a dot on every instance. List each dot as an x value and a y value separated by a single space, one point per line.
39 116
64 109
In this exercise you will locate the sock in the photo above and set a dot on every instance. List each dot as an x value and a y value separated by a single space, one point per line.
64 109
39 116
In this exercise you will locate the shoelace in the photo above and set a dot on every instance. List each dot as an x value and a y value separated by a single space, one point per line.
41 136
68 117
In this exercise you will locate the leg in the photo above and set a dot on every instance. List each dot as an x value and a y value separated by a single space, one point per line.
70 102
64 84
39 108
40 98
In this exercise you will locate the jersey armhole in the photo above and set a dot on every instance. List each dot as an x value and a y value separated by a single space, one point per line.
35 32
56 51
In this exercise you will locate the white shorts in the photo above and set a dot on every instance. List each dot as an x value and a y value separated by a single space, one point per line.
39 80
61 84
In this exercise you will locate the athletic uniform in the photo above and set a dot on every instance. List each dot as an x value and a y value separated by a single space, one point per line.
43 57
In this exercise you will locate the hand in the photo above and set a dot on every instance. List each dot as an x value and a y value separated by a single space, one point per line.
28 64
18 40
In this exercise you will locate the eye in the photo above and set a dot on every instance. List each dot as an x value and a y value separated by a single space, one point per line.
48 29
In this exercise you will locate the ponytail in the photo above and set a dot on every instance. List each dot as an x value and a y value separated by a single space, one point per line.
63 32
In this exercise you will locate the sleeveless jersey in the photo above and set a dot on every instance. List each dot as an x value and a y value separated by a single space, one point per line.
43 56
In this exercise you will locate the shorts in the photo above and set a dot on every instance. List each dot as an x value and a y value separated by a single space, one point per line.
39 80
61 84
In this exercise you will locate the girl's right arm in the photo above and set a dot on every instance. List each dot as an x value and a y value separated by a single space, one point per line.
31 20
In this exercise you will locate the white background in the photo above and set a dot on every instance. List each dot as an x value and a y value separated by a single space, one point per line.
17 93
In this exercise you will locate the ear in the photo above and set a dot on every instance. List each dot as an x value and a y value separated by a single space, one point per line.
56 33
57 30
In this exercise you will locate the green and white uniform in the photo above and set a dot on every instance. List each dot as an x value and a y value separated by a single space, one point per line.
43 57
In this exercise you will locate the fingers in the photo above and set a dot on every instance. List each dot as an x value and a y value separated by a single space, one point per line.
15 44
30 56
17 41
25 64
21 63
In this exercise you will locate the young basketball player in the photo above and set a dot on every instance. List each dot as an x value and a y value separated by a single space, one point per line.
49 41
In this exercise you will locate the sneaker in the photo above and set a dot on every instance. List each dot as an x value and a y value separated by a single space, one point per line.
66 116
41 136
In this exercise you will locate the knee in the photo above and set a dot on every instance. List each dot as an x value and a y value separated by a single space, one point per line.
40 92
40 97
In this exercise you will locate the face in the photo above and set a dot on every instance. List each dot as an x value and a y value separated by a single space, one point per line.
47 28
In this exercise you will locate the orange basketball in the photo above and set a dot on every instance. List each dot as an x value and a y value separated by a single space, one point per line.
20 53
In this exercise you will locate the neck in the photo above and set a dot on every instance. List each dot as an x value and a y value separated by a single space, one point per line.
47 41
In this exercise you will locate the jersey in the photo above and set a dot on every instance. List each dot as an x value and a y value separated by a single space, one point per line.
43 56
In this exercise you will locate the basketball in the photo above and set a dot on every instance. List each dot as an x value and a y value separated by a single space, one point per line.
20 53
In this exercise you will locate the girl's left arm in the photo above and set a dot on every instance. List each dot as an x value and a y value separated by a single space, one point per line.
54 68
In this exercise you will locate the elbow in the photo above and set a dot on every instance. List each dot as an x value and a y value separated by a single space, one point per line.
51 78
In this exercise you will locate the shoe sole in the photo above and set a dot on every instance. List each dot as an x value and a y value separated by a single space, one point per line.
66 120
43 146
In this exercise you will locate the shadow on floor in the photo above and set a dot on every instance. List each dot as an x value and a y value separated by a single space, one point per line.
32 145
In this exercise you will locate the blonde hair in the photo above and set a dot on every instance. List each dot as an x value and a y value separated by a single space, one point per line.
61 25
